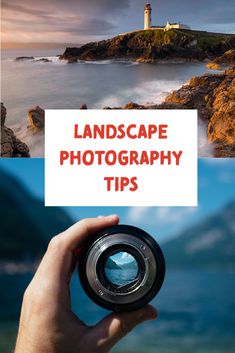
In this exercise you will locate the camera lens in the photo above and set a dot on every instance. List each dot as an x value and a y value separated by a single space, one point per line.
122 269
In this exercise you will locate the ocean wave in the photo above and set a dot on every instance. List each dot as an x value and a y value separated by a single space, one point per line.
52 59
147 93
55 59
108 62
35 141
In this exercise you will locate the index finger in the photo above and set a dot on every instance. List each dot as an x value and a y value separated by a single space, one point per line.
57 261
77 234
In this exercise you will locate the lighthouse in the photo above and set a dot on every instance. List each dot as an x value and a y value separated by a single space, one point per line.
147 16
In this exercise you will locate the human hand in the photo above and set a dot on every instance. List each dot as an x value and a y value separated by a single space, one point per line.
47 323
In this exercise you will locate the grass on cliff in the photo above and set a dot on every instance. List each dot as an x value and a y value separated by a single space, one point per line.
205 40
155 37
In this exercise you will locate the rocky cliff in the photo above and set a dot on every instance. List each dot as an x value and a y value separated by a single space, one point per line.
153 45
213 95
11 146
227 59
36 119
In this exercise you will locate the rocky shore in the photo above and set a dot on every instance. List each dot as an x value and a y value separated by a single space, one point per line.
213 95
154 46
214 98
11 146
227 59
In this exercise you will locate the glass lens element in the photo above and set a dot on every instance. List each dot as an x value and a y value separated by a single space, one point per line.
121 269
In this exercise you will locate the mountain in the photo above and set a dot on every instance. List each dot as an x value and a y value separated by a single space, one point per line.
152 45
129 265
111 265
26 225
209 244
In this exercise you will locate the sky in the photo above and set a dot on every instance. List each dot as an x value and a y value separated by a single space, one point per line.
122 258
78 21
216 188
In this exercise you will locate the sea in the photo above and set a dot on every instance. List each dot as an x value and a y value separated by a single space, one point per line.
58 85
196 313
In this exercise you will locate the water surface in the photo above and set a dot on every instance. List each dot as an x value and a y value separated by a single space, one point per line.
60 85
196 314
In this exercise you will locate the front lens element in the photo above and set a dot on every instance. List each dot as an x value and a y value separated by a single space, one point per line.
121 269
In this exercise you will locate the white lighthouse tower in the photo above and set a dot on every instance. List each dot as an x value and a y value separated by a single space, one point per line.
147 16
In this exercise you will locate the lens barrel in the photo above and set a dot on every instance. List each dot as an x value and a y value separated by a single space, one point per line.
146 264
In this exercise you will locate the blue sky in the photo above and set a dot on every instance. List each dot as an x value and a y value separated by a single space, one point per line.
216 189
122 258
78 21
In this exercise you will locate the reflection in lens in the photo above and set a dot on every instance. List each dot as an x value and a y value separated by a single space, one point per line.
121 268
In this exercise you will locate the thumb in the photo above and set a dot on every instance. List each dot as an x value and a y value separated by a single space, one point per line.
115 326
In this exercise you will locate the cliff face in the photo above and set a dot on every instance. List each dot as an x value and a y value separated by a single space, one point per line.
213 95
11 146
153 45
209 244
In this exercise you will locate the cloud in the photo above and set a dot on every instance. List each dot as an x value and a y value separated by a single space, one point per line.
126 257
226 177
173 215
160 215
45 24
200 11
22 9
220 14
137 214
76 19
69 24
88 7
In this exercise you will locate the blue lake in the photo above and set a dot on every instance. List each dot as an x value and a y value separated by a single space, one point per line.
122 276
196 314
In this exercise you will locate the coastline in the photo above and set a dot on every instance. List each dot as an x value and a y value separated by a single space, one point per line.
167 102
148 46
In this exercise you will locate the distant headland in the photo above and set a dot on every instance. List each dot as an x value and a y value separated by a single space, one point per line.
155 45
173 41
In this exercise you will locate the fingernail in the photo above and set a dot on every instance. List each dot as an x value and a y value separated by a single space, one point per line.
100 217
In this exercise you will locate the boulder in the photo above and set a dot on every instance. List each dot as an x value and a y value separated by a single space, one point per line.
36 119
23 58
227 59
11 146
44 60
213 66
132 105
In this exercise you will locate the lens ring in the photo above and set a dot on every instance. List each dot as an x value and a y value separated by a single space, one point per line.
120 237
128 288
